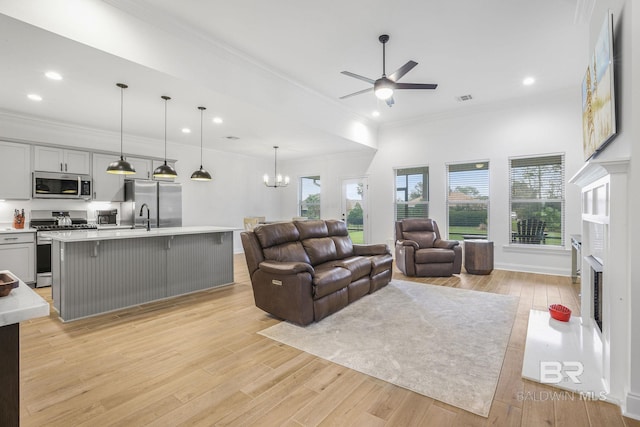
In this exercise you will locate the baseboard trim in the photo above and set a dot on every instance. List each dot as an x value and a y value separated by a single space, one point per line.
533 269
631 408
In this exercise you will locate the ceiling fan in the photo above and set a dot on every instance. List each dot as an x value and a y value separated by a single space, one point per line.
384 86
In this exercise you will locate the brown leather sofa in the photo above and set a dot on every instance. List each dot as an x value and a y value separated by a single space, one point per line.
303 271
421 252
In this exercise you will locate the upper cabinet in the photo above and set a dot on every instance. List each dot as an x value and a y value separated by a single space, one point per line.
15 173
107 187
142 167
52 159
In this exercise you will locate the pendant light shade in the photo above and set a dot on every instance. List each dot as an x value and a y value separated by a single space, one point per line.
121 167
201 174
165 170
278 181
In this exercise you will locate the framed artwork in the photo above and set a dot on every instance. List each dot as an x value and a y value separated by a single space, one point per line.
598 94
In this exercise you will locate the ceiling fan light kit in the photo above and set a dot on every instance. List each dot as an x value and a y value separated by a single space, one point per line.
384 87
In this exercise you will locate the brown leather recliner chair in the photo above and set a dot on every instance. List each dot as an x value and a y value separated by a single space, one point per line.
421 252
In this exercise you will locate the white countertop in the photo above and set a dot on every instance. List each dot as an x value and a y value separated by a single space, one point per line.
23 303
17 230
110 234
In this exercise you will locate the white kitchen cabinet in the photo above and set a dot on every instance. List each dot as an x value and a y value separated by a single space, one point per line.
107 187
18 255
15 174
53 159
157 163
142 167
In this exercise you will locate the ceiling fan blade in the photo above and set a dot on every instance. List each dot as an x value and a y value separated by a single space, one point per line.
396 75
357 93
415 86
390 101
357 76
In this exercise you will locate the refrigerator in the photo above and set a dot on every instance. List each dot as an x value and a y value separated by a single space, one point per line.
164 200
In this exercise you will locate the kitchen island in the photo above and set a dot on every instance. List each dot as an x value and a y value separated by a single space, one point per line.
21 305
98 271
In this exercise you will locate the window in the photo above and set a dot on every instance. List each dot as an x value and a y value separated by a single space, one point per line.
468 200
412 193
310 197
537 200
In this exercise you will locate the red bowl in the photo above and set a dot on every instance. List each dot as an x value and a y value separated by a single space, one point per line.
560 312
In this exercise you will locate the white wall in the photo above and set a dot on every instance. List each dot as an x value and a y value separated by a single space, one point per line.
333 170
535 125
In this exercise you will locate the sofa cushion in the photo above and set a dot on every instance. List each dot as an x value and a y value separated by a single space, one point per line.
336 227
380 263
276 234
424 239
287 252
320 250
358 266
344 246
417 224
328 280
311 229
424 256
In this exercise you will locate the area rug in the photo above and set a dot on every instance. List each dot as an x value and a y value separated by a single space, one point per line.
442 342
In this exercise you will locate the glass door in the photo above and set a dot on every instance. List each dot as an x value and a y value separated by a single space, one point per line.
354 208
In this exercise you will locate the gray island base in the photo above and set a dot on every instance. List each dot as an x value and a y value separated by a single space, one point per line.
96 272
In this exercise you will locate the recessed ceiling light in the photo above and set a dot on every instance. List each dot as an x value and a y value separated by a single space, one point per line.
53 75
34 97
217 120
528 81
186 130
375 113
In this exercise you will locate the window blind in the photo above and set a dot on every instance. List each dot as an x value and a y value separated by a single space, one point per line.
412 192
468 200
537 194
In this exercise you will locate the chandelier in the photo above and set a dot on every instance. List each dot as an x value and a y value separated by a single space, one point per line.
278 180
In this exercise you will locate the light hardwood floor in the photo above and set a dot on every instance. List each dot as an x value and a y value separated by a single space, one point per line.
197 360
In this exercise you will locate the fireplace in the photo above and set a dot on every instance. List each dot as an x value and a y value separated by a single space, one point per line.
605 285
596 289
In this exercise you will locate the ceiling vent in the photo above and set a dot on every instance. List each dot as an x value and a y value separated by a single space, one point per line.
463 98
231 137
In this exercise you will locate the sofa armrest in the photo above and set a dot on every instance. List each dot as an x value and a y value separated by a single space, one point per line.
403 242
367 250
275 267
445 244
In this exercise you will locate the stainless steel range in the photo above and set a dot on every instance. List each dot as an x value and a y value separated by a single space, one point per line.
53 221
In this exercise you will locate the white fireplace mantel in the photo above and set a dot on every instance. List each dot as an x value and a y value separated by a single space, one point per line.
596 169
604 185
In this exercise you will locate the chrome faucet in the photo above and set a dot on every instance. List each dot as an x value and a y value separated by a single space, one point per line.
148 217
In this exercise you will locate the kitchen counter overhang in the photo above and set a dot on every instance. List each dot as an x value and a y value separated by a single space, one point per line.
131 233
99 271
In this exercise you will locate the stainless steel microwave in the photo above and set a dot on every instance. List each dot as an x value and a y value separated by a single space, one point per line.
50 185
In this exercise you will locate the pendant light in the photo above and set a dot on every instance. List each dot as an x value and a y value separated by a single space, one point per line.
277 179
121 167
201 174
165 170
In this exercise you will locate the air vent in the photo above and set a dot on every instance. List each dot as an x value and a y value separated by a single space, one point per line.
232 138
465 98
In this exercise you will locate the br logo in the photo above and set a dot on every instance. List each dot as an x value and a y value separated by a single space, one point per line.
554 372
